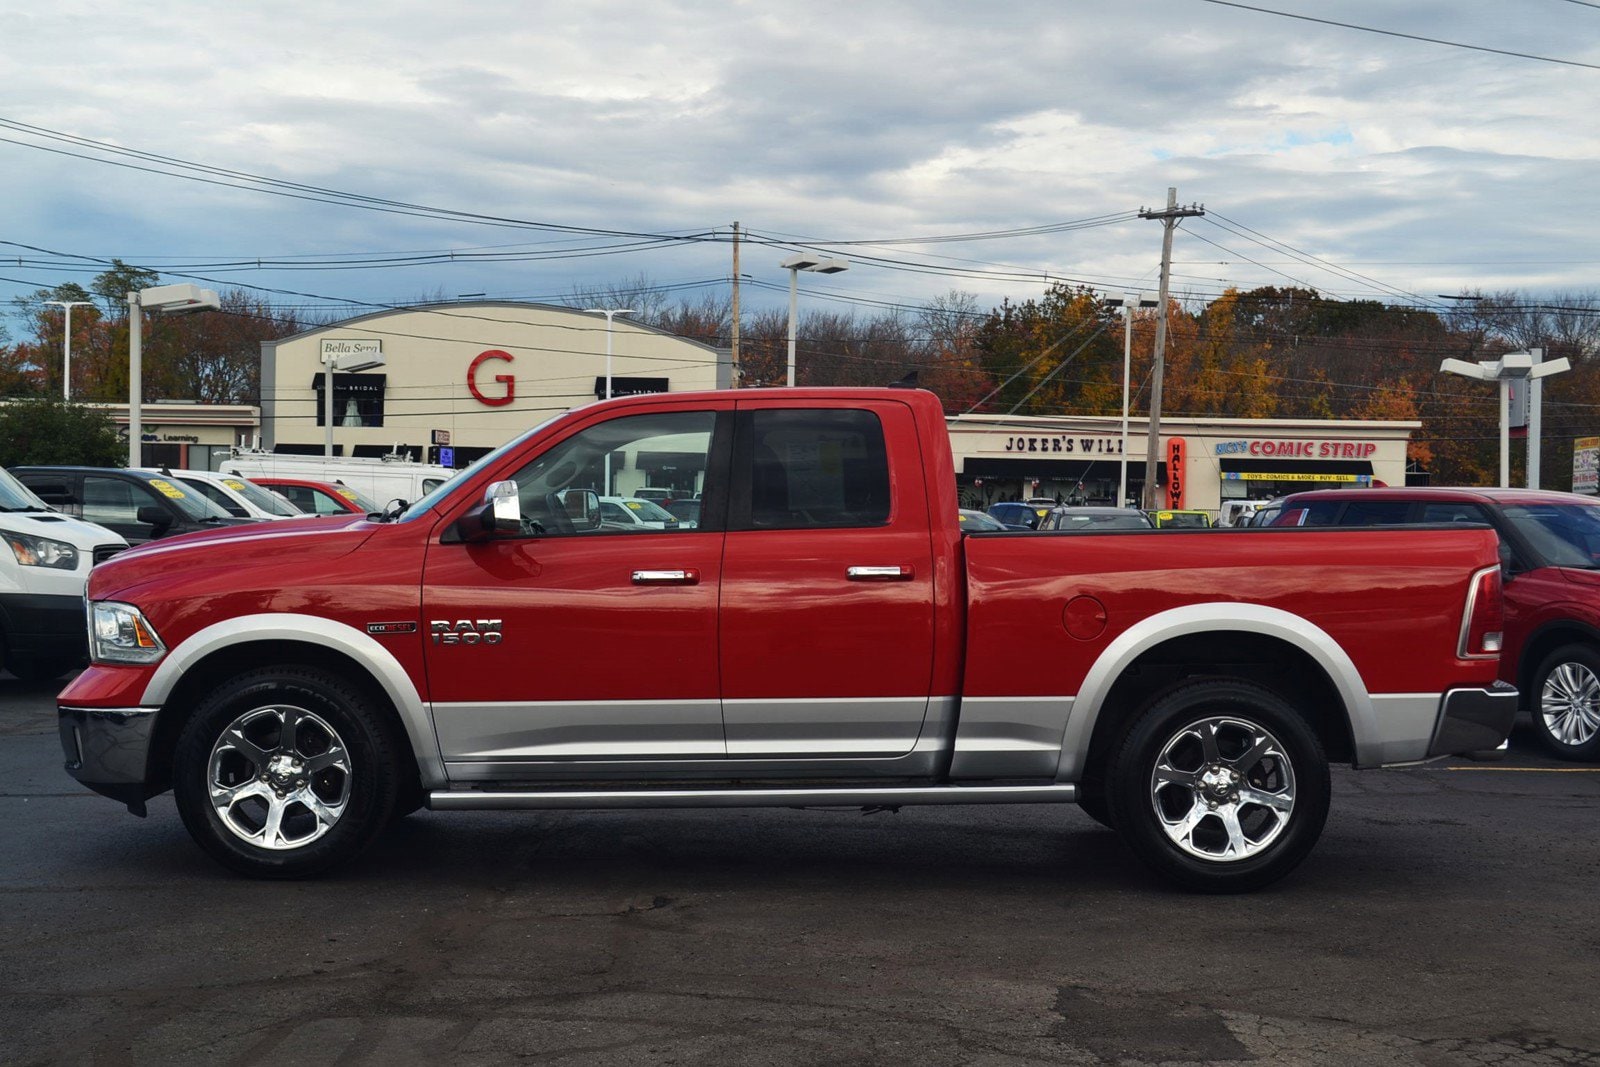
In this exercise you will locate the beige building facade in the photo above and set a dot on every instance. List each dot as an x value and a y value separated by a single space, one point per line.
466 377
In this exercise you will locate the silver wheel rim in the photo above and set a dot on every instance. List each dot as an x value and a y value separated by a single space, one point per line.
279 777
1223 789
1570 704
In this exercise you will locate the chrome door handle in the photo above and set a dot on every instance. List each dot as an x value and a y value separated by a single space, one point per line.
683 577
880 574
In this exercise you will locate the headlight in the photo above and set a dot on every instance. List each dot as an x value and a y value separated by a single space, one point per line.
42 552
118 633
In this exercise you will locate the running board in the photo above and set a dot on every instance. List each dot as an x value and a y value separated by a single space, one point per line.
866 797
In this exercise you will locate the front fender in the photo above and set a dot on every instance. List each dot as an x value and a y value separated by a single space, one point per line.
377 660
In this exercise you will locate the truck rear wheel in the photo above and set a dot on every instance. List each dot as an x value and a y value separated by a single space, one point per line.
1566 703
285 772
1220 786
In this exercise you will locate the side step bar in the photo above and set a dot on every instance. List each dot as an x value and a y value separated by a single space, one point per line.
865 797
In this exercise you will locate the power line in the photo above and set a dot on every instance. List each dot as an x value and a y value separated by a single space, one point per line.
1408 36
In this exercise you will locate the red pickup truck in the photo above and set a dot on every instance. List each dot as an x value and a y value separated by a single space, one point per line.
826 635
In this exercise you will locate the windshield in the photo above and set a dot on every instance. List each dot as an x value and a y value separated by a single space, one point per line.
358 498
267 502
423 506
14 496
1567 535
187 499
648 510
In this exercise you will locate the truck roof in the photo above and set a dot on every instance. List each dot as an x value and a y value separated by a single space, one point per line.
1492 494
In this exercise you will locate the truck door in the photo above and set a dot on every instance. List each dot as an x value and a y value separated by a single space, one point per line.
827 585
573 645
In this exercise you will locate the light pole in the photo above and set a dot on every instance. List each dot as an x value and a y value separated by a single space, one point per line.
610 314
169 299
1509 367
66 342
815 265
1127 302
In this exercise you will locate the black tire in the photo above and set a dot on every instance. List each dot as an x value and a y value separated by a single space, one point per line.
39 668
1565 702
1263 764
342 757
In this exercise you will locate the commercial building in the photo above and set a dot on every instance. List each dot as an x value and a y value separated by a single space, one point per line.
1203 461
463 378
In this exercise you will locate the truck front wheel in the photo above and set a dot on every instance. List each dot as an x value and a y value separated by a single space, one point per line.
284 772
1220 786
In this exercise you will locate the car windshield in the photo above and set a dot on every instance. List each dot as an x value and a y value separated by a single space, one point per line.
423 506
187 499
14 496
267 502
356 497
1103 522
648 511
1568 535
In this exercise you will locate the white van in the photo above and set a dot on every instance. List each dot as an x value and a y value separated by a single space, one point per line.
44 570
383 480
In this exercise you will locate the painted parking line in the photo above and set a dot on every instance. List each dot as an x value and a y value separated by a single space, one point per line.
1531 770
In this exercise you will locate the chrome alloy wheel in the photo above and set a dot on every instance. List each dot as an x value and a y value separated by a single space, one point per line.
279 777
1223 789
1570 704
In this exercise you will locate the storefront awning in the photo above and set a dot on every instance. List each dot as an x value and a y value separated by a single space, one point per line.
1061 470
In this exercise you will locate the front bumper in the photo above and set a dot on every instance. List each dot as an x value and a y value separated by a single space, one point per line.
1474 722
45 624
108 750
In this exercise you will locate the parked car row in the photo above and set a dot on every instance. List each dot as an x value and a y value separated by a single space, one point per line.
58 522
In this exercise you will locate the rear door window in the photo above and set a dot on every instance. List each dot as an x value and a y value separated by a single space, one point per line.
1374 513
814 468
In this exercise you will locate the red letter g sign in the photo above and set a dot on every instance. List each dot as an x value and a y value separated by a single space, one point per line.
504 379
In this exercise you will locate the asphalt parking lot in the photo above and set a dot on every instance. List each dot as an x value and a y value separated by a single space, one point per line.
1447 917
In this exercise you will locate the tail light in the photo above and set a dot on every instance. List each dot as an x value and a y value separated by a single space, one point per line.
1483 621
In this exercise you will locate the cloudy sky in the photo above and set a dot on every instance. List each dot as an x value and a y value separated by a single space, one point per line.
542 147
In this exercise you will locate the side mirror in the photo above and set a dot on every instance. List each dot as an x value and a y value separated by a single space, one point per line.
499 515
1508 563
582 507
153 515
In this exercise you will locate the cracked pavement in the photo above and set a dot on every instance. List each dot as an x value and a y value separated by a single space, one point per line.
1446 918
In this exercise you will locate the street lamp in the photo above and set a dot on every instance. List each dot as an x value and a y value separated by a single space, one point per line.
1512 366
610 314
66 342
170 300
1127 302
815 265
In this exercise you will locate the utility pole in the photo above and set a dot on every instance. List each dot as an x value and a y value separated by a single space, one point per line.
734 372
1152 452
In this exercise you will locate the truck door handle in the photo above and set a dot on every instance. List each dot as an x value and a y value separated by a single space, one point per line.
880 574
683 577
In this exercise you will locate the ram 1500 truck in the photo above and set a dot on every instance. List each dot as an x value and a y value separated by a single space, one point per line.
825 636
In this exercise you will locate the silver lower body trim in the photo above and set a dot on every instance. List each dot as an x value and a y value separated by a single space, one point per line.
865 796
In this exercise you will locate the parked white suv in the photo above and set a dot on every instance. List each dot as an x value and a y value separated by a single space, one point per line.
44 568
235 494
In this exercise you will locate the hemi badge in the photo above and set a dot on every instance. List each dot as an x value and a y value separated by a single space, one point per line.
391 627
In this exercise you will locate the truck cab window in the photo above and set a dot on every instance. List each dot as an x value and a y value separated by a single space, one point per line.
816 468
614 459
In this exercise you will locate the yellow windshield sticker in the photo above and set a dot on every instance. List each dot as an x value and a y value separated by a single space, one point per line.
234 485
634 505
166 488
348 494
